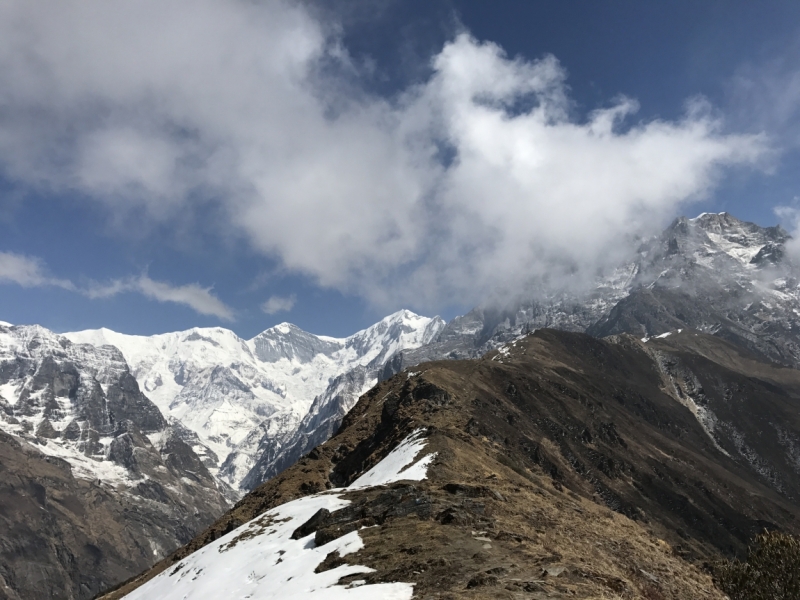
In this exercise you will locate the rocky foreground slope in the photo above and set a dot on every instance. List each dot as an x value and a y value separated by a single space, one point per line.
559 466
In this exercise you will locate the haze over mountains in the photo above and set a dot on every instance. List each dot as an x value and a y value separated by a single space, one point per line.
176 423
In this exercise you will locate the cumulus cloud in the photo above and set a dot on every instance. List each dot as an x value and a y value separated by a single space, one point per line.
474 180
276 304
28 272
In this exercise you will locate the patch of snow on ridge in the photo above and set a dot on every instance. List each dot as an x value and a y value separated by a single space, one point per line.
398 464
10 391
261 561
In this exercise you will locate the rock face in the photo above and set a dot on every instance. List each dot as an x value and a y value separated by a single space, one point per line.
95 483
249 408
713 273
559 465
719 275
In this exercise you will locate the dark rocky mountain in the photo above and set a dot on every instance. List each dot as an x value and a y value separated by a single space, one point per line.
558 466
96 485
719 275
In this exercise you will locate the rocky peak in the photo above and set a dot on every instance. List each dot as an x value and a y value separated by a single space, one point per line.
77 406
723 233
287 341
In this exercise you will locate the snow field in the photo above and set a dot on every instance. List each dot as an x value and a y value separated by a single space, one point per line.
260 560
398 464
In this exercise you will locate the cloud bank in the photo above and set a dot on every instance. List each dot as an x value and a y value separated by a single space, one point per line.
479 178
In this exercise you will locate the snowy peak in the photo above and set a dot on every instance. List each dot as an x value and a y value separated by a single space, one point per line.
398 331
722 235
394 332
287 341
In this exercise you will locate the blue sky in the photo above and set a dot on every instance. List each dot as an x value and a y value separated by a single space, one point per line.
173 164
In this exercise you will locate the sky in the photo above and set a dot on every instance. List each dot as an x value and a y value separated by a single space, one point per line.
166 164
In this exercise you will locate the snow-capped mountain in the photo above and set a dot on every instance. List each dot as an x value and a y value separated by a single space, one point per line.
231 399
713 273
96 482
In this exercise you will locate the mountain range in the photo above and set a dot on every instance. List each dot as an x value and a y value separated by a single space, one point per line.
708 310
240 403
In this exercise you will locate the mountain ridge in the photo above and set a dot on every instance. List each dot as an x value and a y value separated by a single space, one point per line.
234 394
560 465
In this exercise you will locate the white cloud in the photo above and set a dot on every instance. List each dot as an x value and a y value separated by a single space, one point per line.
193 295
474 180
276 304
30 272
790 218
27 271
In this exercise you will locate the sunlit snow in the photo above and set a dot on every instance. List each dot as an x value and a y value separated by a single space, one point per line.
260 561
398 464
231 392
